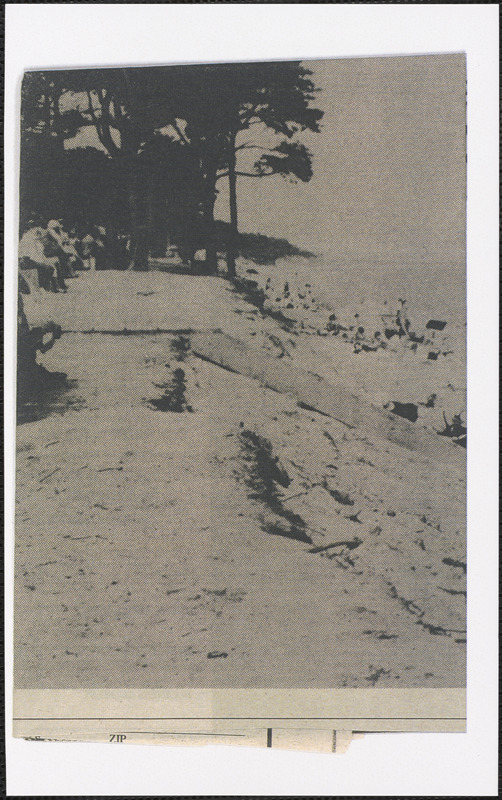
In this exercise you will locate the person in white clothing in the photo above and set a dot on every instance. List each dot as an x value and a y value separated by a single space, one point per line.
38 269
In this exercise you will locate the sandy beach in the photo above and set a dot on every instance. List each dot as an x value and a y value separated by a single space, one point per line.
245 542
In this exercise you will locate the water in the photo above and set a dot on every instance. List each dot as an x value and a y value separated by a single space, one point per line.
430 290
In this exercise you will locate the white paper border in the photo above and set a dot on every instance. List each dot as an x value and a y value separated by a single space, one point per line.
63 34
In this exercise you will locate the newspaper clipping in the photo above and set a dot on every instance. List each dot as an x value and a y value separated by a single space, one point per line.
241 402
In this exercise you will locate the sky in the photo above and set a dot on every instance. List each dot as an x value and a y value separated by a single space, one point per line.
389 165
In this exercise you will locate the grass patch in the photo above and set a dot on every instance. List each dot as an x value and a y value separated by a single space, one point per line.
180 347
173 397
263 474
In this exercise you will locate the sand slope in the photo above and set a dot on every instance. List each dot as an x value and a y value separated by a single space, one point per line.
247 543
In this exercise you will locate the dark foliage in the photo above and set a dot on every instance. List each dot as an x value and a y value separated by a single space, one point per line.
259 248
166 136
264 473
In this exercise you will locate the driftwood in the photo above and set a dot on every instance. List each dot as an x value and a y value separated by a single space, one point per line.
317 394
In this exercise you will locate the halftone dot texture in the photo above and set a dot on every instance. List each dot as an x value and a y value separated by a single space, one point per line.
250 542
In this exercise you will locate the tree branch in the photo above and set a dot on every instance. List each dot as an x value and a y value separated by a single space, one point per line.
180 133
91 108
103 130
248 174
256 174
248 114
254 147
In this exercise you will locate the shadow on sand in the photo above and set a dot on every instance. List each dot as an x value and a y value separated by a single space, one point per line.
41 393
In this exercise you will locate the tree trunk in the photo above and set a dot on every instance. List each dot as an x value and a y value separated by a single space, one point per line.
211 248
48 113
131 201
53 117
141 253
139 234
233 233
209 224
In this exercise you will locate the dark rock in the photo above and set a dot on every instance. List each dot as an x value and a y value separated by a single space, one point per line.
406 410
436 325
334 327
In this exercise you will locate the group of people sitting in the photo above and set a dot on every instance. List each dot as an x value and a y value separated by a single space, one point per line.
50 253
